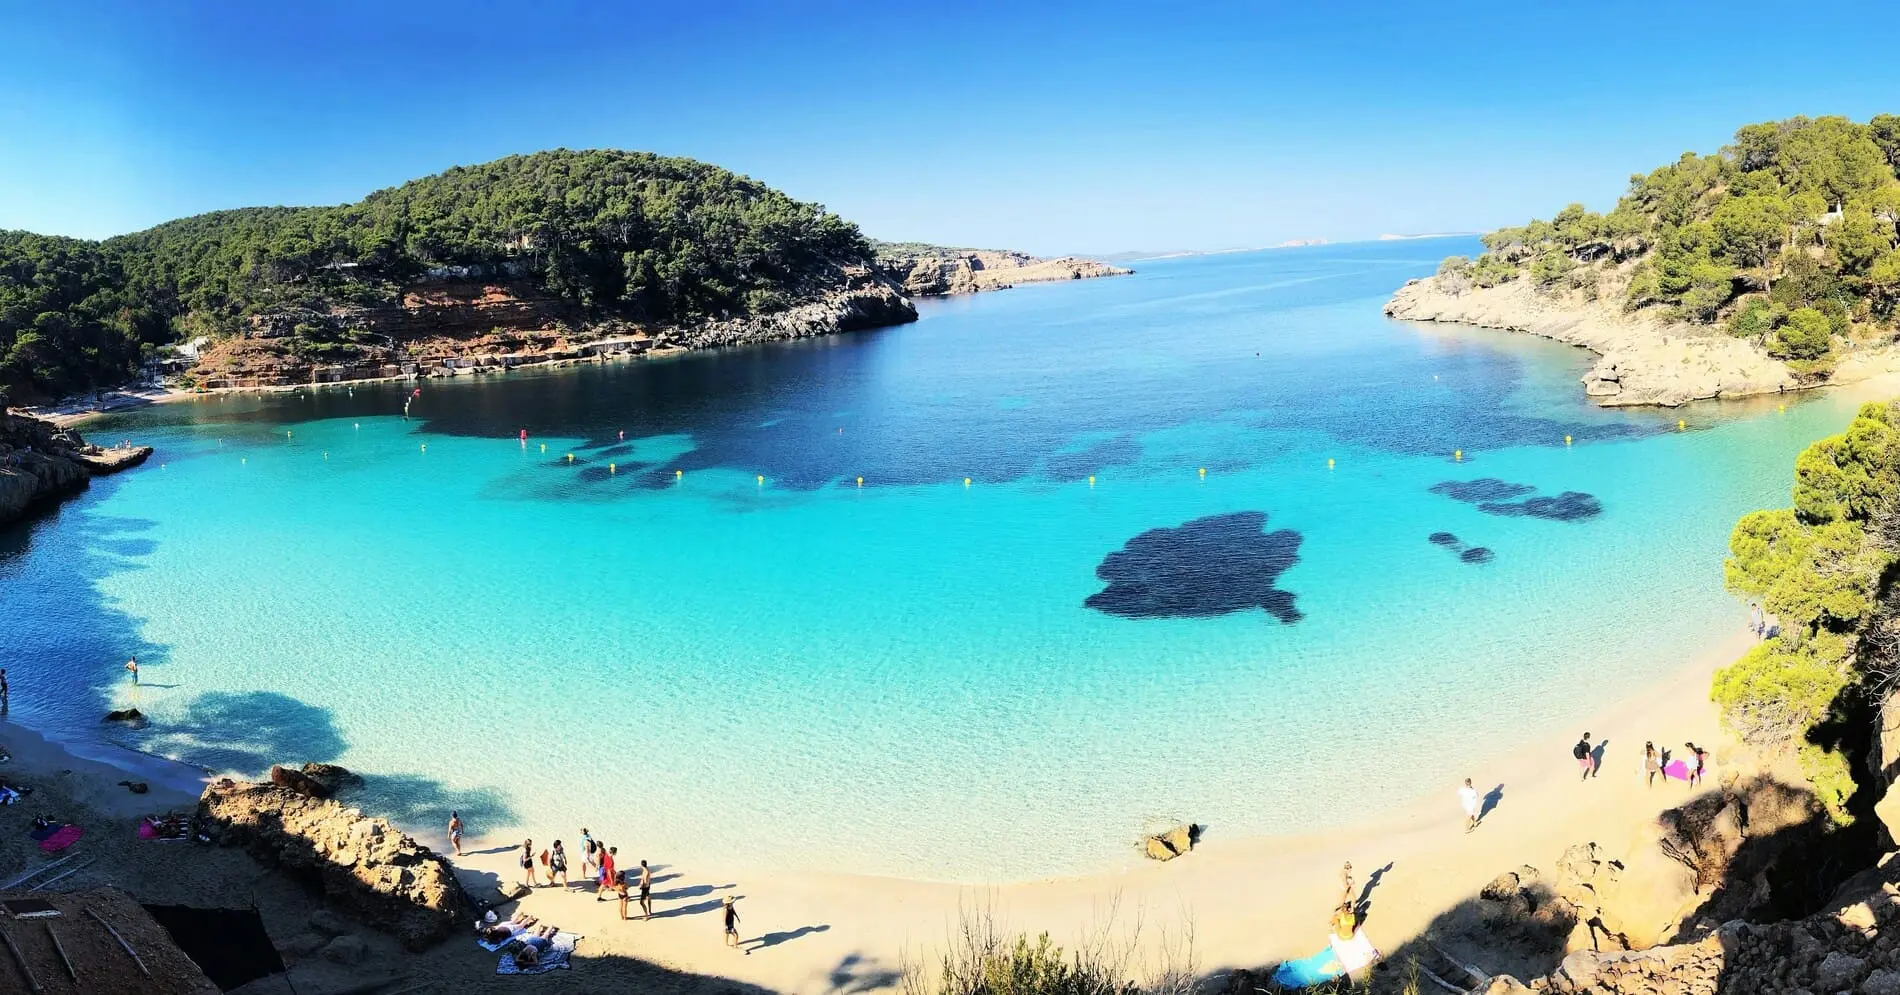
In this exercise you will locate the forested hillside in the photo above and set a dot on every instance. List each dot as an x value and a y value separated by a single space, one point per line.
1786 237
627 235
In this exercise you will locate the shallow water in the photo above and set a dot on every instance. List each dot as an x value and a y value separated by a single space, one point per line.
918 676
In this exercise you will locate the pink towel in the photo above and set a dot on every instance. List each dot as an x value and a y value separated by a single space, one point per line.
66 836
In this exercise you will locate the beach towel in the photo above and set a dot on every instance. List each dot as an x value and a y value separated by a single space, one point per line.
556 956
61 838
1305 972
1356 953
1678 769
514 930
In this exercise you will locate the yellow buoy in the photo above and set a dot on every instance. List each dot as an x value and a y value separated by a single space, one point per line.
425 447
1329 462
966 481
1680 425
1458 454
1091 481
243 460
1203 471
570 457
544 447
677 474
286 435
1782 408
860 481
1566 440
611 469
326 454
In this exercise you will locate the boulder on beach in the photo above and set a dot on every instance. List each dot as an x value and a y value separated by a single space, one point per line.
1172 843
128 715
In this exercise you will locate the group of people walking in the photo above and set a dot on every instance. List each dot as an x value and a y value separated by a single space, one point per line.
599 864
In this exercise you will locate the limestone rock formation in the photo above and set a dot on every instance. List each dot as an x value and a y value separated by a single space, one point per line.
938 271
1645 359
361 863
42 462
1172 843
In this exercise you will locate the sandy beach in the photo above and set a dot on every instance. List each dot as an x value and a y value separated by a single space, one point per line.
1245 902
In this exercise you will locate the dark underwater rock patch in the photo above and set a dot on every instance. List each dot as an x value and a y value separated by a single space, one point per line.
1468 553
1084 463
1482 489
1199 569
1444 539
1477 554
1570 506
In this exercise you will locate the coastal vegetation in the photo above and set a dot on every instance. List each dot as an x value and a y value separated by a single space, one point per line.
1786 237
612 234
1818 569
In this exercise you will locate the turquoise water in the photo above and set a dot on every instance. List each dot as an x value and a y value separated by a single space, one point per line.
905 677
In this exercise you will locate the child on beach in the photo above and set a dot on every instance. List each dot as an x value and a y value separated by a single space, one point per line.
455 832
732 923
527 862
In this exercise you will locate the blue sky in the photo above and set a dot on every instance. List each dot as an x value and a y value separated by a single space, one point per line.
1094 128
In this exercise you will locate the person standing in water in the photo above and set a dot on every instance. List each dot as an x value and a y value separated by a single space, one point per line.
1652 764
1586 758
646 891
133 666
1468 797
732 923
455 832
4 690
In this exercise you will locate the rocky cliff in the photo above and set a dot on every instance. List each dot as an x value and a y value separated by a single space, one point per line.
362 863
40 462
1644 359
937 271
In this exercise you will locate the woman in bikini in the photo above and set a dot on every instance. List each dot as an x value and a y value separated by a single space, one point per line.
455 832
732 923
527 862
1652 764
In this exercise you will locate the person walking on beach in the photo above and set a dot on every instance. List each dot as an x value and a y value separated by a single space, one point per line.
527 862
1652 764
588 856
1756 620
1468 797
732 923
608 875
1586 758
455 832
646 891
558 865
1701 763
133 666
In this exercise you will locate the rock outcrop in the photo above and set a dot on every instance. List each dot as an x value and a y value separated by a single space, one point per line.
40 462
866 300
933 271
363 864
1171 843
1645 360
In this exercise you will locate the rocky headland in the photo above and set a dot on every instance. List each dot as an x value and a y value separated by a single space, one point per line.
1644 358
941 271
41 462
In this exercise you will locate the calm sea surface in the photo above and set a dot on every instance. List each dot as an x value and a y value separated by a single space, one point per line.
1003 678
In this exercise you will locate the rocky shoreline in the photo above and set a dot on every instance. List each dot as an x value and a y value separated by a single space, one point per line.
41 462
1645 360
943 272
